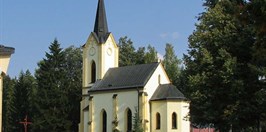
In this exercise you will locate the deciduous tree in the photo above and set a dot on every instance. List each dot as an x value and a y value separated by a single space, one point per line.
222 85
171 64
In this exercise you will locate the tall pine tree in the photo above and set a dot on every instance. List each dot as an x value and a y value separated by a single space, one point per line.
51 99
9 122
24 93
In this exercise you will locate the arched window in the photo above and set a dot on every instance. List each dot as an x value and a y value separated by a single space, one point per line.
93 72
104 121
158 121
128 120
174 121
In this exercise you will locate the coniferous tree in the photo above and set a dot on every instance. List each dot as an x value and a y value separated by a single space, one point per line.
52 99
8 105
24 93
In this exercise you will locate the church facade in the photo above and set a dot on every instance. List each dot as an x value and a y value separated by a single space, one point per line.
113 96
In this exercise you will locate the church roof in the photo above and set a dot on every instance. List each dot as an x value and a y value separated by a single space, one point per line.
100 26
167 92
6 50
125 77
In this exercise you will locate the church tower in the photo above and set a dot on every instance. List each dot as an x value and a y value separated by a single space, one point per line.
100 51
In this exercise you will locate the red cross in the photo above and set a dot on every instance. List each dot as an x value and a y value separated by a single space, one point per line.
25 123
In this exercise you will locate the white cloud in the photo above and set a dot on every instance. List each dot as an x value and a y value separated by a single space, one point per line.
163 35
175 35
160 56
172 35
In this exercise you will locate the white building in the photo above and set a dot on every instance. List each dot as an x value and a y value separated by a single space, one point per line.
112 95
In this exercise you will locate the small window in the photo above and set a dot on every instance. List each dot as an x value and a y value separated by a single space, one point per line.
158 121
129 120
104 121
174 121
93 72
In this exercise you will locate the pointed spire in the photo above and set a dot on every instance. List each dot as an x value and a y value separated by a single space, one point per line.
100 26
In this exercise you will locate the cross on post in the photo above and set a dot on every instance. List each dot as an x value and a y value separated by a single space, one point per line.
25 123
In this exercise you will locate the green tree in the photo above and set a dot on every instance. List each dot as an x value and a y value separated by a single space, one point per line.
129 56
52 96
137 126
24 93
171 64
151 55
73 84
140 55
127 52
8 105
212 3
222 86
255 15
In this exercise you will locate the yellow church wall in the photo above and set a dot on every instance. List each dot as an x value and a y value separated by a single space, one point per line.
110 55
161 108
159 77
4 61
166 109
181 108
104 101
104 55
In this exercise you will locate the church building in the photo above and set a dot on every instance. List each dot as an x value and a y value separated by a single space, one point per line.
113 96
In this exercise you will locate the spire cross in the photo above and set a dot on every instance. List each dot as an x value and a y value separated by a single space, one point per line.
25 123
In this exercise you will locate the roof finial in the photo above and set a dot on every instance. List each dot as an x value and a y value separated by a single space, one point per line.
101 27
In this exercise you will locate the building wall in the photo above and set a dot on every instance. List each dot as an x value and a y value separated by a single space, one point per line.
159 107
181 108
4 61
104 101
159 77
166 109
105 56
1 98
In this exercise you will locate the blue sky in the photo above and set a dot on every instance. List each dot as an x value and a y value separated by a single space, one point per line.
31 25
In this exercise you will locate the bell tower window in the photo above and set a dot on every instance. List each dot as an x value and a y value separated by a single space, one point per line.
93 72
